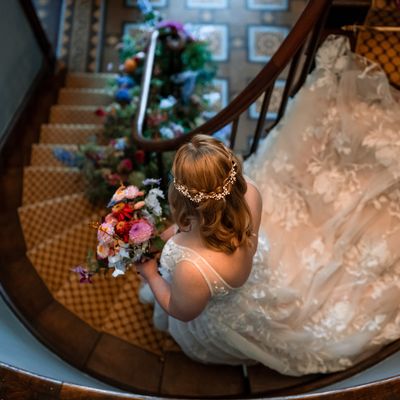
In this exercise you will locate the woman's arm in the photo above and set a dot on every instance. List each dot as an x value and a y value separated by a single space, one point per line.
187 295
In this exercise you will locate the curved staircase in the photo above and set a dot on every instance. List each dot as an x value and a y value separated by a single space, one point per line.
103 329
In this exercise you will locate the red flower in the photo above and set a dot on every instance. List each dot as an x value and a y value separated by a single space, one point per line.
122 211
100 112
122 229
125 165
140 156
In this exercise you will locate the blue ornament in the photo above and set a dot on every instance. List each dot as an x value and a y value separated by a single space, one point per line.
123 95
125 82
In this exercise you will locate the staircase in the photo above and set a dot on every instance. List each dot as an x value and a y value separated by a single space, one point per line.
55 218
102 328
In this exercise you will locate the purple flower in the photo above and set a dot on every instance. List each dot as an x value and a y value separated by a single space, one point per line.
151 181
177 26
86 276
140 232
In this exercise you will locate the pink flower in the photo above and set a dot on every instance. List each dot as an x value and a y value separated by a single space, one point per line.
103 251
132 192
139 205
105 233
140 232
110 219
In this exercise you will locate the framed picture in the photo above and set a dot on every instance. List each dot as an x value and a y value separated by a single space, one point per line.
207 4
268 5
155 3
263 41
217 35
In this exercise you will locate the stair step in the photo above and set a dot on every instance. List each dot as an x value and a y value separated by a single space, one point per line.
54 258
78 96
89 80
75 115
44 183
43 220
70 133
43 154
131 320
90 302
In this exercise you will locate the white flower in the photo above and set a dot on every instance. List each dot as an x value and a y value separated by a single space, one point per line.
212 98
167 103
167 133
118 270
152 202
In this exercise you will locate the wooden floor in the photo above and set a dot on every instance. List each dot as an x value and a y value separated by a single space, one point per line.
102 329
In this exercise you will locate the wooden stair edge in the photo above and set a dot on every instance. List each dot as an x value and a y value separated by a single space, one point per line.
17 380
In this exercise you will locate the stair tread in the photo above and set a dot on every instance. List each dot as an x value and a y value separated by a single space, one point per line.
132 321
43 183
73 114
88 80
90 302
85 96
53 258
43 154
43 220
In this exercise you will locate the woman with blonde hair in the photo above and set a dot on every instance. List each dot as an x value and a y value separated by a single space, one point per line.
300 270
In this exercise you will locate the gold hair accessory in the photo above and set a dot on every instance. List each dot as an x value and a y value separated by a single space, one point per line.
200 196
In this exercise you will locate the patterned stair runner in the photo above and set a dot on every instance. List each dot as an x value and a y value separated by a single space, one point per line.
61 114
43 220
82 97
55 219
43 183
43 154
88 80
55 257
69 133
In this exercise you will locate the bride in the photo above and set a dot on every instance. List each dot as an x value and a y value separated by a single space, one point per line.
295 264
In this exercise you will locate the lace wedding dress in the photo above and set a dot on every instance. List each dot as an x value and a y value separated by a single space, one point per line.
324 290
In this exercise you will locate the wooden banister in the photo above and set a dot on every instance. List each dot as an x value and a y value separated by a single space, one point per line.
26 385
308 27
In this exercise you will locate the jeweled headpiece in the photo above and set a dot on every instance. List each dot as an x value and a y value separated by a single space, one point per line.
200 196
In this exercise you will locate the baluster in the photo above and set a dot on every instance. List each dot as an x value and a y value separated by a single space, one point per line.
288 85
235 125
261 118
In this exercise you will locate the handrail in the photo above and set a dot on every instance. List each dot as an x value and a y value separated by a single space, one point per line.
310 21
27 384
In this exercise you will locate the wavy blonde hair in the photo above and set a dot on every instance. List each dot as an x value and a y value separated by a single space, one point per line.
204 165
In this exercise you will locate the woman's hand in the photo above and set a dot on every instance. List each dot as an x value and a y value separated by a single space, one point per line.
147 269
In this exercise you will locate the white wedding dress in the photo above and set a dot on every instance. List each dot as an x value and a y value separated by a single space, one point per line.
324 291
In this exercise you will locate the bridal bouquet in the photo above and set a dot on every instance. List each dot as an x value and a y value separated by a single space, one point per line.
130 232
